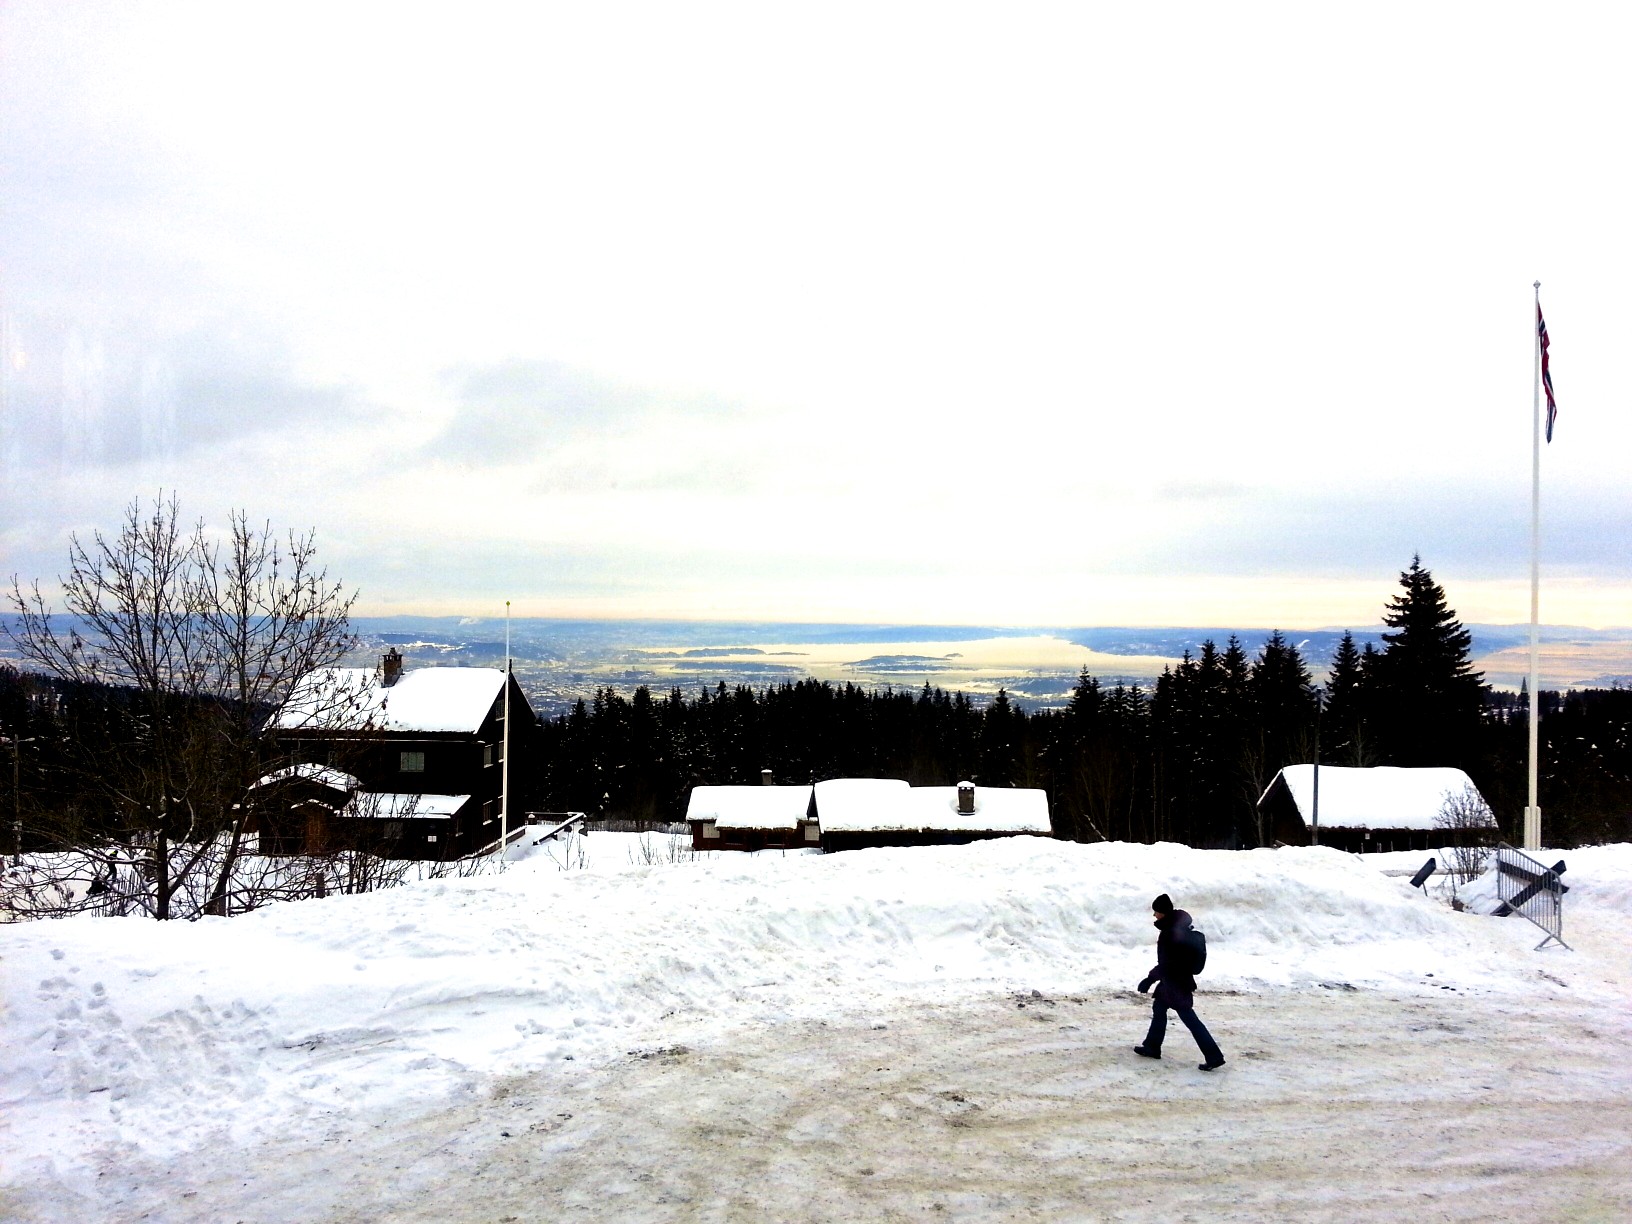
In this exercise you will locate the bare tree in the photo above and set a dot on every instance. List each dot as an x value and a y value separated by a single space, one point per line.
207 634
1254 776
268 616
1469 826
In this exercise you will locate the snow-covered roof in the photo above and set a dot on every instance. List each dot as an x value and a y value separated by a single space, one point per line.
403 807
750 807
998 809
324 775
427 699
863 805
1383 797
859 804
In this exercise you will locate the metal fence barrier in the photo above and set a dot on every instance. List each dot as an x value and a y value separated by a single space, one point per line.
1527 887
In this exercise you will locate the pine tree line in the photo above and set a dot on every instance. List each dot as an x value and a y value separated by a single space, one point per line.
1184 761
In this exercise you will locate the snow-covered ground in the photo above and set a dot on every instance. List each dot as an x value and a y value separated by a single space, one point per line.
615 1029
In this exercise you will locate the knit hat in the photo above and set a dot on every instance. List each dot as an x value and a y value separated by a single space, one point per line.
1163 904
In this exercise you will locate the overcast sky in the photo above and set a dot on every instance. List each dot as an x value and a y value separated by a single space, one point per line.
1090 314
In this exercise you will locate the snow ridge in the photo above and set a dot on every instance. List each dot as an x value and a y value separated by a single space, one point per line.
166 1036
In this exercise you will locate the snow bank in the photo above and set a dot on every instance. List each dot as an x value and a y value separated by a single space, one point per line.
1598 878
170 1033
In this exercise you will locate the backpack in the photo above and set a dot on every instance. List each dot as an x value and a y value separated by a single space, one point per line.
1194 944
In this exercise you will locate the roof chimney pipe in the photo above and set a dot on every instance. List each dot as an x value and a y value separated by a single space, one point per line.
390 667
765 777
966 798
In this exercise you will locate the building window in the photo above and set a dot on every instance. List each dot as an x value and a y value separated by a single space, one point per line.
487 754
412 762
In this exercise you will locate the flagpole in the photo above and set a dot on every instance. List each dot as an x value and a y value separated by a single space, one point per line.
1532 813
504 783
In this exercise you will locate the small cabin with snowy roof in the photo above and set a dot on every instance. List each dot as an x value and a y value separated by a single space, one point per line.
1386 807
764 817
853 813
423 747
292 809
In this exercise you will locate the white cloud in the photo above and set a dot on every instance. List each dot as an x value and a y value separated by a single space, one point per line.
839 307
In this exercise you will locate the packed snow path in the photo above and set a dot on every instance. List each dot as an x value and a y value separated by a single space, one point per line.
889 1035
1336 1105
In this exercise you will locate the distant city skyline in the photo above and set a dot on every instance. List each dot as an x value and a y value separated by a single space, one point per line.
890 313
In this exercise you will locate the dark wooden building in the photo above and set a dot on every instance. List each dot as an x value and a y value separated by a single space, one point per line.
425 748
297 809
765 817
1371 810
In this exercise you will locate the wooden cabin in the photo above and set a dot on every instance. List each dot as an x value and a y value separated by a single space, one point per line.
316 809
292 809
765 817
1369 810
853 813
425 747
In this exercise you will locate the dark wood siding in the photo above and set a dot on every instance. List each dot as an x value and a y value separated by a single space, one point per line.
865 839
455 763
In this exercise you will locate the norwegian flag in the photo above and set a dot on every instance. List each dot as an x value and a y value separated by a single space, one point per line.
1546 373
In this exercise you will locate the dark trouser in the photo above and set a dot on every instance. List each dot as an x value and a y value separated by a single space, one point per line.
1158 1029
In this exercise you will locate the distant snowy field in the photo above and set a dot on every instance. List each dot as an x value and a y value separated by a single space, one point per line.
621 1030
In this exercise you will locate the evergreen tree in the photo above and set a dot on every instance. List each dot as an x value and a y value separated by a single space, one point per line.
1430 696
1278 729
1283 697
1237 679
1077 761
1086 703
1196 723
1000 747
1342 732
1173 750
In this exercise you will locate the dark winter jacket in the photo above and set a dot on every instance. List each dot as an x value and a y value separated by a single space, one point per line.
1176 985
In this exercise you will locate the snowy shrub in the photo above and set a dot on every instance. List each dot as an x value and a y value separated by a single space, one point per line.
1470 830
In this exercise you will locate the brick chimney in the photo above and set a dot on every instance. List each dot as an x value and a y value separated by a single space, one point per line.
966 798
390 667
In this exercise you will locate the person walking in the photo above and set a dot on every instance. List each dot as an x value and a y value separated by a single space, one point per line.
1175 987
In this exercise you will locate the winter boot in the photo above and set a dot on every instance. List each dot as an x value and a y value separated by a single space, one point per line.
1144 1053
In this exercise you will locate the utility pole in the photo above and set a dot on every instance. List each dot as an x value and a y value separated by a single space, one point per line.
504 748
1315 839
17 795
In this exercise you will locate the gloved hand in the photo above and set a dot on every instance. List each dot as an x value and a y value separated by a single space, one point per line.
1144 986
